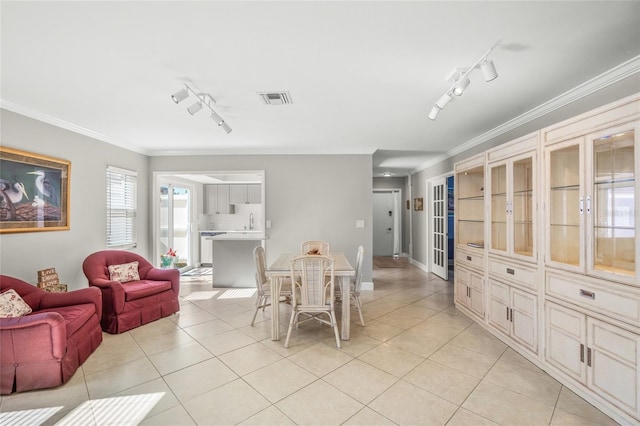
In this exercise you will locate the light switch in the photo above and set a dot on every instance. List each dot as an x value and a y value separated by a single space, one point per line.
268 224
359 223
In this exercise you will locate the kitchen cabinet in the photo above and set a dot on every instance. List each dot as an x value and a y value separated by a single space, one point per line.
217 199
595 354
245 194
514 313
206 252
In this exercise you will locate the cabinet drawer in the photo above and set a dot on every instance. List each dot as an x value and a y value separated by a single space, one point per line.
470 259
523 275
610 299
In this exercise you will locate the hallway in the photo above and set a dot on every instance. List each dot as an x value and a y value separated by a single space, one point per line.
416 362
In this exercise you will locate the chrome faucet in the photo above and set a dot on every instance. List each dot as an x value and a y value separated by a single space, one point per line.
251 220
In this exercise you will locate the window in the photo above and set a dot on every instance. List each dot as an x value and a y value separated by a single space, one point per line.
121 207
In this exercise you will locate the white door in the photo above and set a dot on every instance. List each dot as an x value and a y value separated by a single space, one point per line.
383 223
439 246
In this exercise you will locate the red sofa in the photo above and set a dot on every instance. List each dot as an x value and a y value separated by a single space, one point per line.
129 305
45 348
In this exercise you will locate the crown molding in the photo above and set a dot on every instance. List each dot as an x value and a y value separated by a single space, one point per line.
614 75
54 121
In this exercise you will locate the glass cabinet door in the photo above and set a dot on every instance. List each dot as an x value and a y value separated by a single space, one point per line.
513 207
522 207
613 239
470 208
499 208
565 205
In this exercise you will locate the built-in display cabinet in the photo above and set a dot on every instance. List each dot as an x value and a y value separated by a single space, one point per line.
555 262
469 279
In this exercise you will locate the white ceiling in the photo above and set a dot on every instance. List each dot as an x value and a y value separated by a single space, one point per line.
362 75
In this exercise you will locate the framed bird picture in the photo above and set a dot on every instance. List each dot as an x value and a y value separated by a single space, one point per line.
34 192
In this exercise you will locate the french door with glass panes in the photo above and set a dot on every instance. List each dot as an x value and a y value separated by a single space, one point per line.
175 222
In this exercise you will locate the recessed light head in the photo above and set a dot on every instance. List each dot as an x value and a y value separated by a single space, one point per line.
180 96
386 174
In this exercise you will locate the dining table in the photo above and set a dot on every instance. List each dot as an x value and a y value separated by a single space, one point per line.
281 268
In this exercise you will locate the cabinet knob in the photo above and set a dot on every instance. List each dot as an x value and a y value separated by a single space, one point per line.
469 258
511 271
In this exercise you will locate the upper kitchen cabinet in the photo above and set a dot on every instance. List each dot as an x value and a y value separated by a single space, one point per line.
592 197
245 194
512 189
217 199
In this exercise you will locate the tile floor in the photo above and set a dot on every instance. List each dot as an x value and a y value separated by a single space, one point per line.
416 362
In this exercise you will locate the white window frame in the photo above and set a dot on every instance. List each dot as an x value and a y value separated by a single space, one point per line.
122 206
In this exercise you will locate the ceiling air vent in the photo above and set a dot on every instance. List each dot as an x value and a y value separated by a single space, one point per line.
276 98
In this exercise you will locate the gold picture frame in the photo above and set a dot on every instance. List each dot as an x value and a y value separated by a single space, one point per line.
418 204
34 192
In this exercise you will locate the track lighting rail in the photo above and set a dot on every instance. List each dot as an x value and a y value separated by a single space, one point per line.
204 99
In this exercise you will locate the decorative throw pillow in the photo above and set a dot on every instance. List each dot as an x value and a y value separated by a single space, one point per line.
12 305
125 272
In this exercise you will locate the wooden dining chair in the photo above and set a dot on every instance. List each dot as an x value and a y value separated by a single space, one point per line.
356 283
263 286
313 292
315 247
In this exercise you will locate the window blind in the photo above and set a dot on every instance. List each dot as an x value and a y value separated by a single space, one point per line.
121 207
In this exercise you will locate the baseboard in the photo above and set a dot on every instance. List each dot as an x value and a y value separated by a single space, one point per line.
366 286
425 268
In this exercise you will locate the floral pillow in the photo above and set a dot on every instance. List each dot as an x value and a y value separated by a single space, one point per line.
125 272
12 305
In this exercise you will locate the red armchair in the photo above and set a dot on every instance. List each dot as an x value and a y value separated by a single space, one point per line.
45 348
131 304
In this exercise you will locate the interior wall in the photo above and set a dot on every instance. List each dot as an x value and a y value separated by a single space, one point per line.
23 254
307 197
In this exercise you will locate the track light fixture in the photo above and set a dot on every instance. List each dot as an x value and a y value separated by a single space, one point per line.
459 78
204 100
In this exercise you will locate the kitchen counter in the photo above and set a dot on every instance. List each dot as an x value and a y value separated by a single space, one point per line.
233 235
232 256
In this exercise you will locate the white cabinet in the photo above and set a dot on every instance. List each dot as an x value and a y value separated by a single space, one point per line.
245 194
511 179
591 205
514 313
469 290
470 257
596 354
206 252
217 199
254 194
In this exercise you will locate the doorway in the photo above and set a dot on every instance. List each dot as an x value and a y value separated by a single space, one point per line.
175 216
386 222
